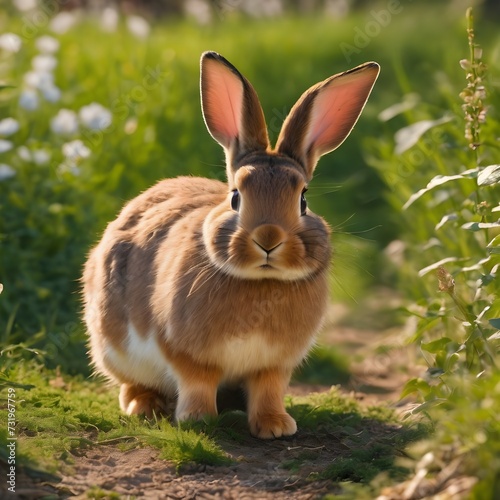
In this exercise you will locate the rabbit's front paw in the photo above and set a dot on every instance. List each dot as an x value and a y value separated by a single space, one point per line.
273 426
195 407
137 400
193 414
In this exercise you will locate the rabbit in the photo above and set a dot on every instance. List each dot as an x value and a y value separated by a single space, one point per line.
199 284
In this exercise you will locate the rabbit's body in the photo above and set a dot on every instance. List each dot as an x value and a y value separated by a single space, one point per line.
147 284
198 283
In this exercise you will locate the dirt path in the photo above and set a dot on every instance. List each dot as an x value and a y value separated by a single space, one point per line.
257 474
278 469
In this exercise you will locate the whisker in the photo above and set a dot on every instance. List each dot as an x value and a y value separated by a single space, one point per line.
341 224
344 289
315 191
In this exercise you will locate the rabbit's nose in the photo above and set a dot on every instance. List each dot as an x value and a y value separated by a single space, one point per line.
268 237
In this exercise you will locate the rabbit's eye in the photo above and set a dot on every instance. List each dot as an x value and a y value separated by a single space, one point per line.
303 202
235 200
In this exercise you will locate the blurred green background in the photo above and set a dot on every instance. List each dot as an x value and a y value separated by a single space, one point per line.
140 62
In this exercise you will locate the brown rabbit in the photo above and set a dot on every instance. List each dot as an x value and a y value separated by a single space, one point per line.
199 283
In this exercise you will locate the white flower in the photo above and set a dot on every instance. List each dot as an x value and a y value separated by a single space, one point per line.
75 150
43 80
28 100
6 172
38 156
95 117
32 79
47 44
44 63
10 42
24 5
62 22
24 153
138 26
41 156
65 122
51 93
69 167
109 19
5 145
38 79
8 126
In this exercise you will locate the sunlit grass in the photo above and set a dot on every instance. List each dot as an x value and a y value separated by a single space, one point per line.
60 416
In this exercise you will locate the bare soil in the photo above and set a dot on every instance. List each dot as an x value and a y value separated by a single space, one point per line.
260 469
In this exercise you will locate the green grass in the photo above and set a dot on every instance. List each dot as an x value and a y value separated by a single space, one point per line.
370 437
60 416
325 365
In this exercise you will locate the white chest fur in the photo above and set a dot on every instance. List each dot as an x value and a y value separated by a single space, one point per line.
144 363
246 354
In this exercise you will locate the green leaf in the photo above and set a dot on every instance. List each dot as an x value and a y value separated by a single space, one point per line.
452 361
436 345
407 137
409 102
445 219
434 266
495 323
423 326
422 408
434 371
438 181
494 245
475 267
486 279
477 226
489 175
415 385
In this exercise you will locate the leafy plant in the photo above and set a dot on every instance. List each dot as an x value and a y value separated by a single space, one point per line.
453 236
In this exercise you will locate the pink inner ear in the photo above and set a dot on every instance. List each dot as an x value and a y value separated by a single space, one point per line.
222 102
336 110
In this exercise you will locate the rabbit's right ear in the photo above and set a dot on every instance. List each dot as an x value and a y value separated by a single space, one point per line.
231 109
324 116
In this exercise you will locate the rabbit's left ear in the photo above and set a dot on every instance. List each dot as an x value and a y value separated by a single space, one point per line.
231 109
325 114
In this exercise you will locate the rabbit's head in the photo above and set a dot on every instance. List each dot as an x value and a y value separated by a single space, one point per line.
264 229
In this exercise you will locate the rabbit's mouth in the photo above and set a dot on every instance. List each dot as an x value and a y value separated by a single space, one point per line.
266 266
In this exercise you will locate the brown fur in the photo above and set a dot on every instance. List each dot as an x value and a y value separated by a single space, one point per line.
183 293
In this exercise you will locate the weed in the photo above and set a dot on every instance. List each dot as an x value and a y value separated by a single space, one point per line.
454 240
